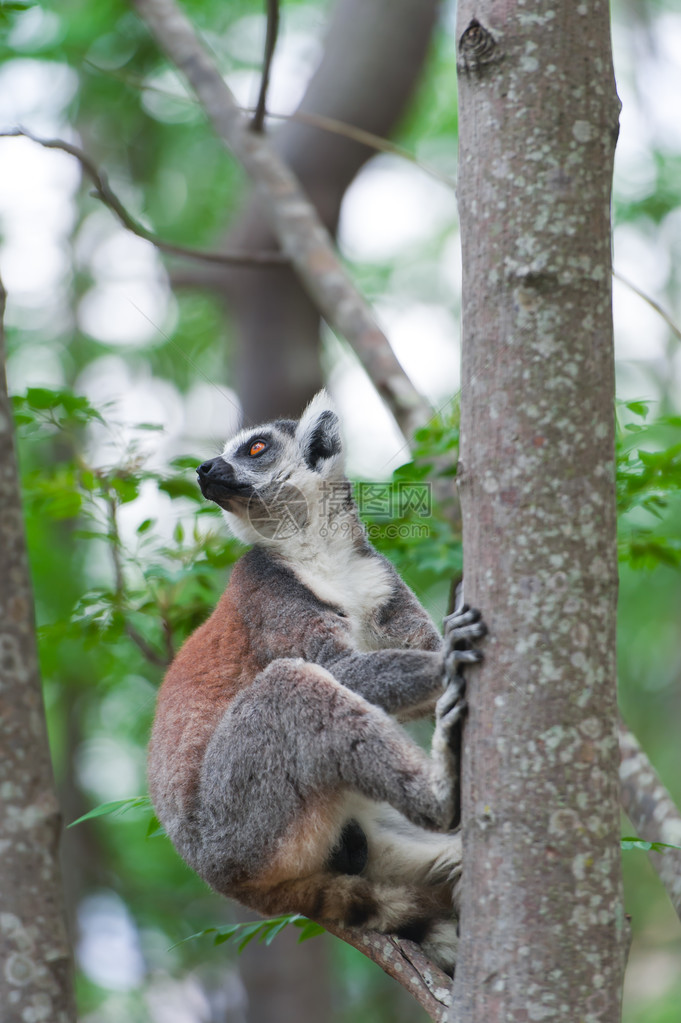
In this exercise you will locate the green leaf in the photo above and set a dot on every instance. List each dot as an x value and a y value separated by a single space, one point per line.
197 934
115 806
629 842
155 828
126 487
275 929
23 418
223 934
179 486
308 929
639 408
248 933
186 462
42 398
65 505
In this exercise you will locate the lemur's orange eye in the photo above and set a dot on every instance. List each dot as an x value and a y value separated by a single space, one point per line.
257 447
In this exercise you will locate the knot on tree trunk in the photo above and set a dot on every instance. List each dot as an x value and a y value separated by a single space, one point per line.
477 47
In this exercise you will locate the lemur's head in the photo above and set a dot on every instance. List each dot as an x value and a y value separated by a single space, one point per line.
274 480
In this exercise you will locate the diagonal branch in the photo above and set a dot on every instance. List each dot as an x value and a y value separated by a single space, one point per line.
104 192
651 302
292 217
651 810
406 963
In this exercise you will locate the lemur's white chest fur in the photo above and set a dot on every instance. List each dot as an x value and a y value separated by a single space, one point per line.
356 583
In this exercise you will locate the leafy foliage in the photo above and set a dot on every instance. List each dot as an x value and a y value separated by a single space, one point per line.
421 537
157 590
648 480
264 931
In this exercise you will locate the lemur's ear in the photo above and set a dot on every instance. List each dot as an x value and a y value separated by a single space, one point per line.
318 432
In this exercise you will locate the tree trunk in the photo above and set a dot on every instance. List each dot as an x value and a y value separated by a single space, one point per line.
542 919
35 969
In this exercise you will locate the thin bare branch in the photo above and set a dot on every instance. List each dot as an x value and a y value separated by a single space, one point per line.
329 124
367 138
292 217
406 963
104 192
651 810
651 302
270 43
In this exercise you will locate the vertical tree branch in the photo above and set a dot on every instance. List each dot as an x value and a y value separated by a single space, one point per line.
542 926
35 960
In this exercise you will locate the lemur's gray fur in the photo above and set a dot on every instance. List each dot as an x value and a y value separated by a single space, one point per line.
274 764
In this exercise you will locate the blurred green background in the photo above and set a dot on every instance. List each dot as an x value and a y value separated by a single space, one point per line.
125 369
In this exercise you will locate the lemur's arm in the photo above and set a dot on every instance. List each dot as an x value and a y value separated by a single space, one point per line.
396 680
405 678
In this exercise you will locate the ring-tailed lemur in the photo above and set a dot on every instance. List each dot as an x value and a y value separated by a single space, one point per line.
274 763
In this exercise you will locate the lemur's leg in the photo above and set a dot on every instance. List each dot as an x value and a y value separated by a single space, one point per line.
296 731
461 628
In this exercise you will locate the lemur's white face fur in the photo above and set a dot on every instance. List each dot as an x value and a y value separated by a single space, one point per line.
276 479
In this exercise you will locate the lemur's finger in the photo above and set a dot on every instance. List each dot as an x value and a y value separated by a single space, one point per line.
452 696
456 657
466 616
476 630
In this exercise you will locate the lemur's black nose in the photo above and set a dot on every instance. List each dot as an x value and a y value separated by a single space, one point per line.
206 468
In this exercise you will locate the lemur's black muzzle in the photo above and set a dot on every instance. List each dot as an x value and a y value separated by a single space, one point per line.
218 482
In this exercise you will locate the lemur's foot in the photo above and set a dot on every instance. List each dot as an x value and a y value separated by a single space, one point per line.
461 628
451 706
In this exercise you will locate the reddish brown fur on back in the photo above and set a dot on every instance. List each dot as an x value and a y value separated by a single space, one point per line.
213 665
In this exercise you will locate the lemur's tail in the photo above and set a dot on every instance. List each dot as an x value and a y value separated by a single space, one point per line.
353 901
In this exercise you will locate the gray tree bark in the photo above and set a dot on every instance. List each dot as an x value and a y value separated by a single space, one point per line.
35 959
542 926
